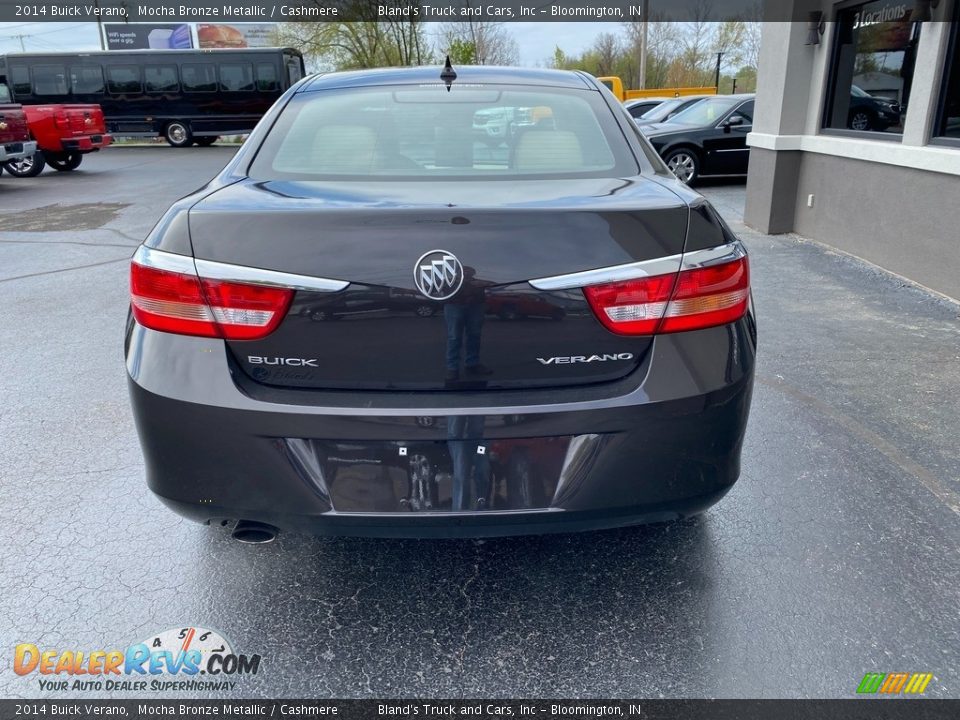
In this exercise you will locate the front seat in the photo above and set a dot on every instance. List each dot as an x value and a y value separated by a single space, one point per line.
547 151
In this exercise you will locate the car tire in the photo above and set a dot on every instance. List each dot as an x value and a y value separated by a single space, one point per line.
425 311
26 167
65 162
862 120
178 134
684 163
206 140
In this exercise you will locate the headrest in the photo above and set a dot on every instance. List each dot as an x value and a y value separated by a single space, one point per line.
546 150
343 149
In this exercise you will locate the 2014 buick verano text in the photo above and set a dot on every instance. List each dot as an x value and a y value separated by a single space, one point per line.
372 322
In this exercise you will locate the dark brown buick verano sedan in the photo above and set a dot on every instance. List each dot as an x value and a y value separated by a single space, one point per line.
373 322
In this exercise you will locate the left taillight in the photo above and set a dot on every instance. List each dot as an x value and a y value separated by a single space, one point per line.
186 304
693 299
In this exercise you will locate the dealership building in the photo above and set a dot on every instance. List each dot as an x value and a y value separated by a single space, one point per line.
856 136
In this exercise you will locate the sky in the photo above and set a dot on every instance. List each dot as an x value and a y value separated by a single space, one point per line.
536 39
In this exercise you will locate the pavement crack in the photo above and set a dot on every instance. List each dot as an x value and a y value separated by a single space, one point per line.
124 235
64 242
891 452
66 269
468 604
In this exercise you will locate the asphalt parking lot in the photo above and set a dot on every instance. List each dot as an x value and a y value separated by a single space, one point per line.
837 553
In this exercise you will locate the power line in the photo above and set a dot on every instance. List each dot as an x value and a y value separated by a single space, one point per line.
49 32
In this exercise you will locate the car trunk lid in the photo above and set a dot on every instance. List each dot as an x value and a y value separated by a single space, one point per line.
384 332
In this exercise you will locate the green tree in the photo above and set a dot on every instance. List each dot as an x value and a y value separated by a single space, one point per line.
462 52
492 42
366 43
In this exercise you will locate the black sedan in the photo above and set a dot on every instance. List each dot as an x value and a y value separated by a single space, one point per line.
587 361
709 138
868 112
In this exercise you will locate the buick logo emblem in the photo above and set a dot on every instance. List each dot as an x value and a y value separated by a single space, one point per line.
438 274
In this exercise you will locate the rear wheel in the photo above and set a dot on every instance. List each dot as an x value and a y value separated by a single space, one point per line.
861 120
206 140
64 162
178 134
30 166
683 163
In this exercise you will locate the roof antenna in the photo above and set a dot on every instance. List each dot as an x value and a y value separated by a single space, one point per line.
449 74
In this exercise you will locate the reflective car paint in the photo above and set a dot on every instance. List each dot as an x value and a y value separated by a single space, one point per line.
661 440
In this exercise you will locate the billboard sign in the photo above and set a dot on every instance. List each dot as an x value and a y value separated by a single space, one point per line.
247 35
147 36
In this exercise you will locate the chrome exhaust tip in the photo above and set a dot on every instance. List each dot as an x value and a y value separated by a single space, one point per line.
254 533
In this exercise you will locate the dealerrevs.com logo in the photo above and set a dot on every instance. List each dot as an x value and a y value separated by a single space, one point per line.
190 659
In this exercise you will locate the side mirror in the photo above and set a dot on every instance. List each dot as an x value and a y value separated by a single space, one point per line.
733 121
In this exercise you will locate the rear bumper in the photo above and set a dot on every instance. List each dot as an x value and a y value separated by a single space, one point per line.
17 150
663 444
85 144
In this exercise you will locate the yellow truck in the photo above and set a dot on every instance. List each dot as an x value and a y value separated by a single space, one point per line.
615 85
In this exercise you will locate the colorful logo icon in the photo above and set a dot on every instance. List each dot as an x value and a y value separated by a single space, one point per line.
894 683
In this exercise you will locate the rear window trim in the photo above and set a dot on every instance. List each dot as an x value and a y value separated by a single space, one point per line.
637 163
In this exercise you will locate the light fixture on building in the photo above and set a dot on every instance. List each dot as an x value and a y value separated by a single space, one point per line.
815 26
921 10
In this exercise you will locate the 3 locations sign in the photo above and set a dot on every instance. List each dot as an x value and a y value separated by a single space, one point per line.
178 36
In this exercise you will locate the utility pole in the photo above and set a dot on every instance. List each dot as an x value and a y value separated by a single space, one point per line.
643 45
716 82
99 25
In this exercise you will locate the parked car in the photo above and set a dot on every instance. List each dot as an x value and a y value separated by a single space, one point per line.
385 302
521 305
626 403
64 134
668 109
15 142
870 112
496 125
709 138
638 107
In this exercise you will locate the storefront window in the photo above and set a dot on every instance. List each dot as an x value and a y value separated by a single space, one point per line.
872 66
948 124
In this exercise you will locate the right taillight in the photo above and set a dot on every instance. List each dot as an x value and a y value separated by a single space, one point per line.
186 304
693 299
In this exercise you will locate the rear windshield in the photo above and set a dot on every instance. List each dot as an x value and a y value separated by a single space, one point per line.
421 132
706 111
661 111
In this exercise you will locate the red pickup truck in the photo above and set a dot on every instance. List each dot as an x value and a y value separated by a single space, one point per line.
15 142
64 134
